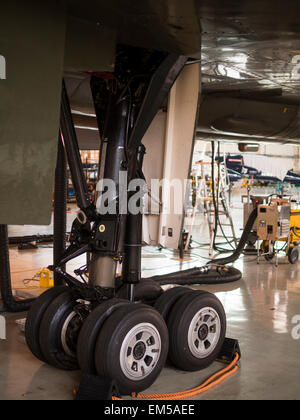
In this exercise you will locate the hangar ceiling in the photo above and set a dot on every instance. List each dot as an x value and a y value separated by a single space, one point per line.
250 53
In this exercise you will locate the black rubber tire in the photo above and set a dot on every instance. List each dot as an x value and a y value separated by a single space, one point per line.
179 323
146 291
111 338
51 330
168 299
268 256
34 319
293 255
90 331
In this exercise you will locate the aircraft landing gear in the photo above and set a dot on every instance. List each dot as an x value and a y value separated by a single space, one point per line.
120 328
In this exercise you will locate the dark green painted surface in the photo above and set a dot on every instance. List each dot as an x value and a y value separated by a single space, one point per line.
32 41
90 47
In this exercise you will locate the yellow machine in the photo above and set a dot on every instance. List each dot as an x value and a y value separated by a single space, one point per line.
295 226
277 222
45 278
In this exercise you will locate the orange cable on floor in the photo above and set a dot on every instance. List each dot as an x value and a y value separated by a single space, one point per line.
210 383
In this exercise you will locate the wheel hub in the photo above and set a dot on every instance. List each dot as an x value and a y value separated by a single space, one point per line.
139 351
70 332
203 332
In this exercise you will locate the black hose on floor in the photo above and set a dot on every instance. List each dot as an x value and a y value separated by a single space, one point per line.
242 243
200 276
9 302
214 272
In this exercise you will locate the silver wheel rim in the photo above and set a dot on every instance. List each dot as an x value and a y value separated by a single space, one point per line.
204 333
140 351
64 330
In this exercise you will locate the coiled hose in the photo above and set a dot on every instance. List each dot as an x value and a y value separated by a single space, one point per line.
214 272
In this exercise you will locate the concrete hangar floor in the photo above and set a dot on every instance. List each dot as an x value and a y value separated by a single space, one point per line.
261 310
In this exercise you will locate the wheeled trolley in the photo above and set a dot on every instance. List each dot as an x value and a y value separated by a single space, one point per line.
278 223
